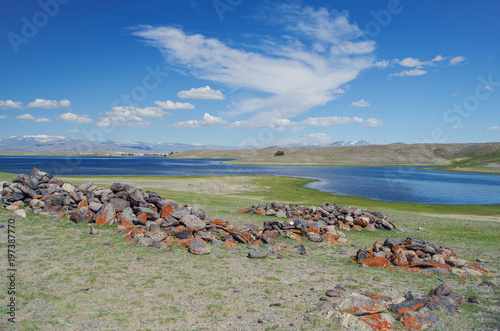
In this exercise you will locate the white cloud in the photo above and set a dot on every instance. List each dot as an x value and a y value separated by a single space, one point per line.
457 60
413 72
288 74
360 103
460 127
486 88
131 116
493 128
49 104
2 117
372 123
205 93
339 91
74 131
174 105
26 117
9 104
439 58
73 118
311 121
382 64
42 120
208 120
411 62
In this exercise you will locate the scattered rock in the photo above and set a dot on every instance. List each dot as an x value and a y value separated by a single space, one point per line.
257 255
93 231
19 213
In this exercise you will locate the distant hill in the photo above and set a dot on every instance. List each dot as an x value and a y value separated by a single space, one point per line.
481 157
50 144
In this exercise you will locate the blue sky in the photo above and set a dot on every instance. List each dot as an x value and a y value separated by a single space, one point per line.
251 73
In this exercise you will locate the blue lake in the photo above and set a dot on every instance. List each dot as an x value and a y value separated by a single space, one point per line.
401 184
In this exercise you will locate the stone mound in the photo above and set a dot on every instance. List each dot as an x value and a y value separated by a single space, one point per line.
145 217
370 311
416 255
346 218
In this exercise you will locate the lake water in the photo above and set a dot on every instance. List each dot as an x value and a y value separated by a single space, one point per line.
401 184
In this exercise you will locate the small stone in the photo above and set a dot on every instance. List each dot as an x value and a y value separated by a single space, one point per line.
93 231
323 299
199 247
275 304
473 299
109 244
260 321
333 293
20 213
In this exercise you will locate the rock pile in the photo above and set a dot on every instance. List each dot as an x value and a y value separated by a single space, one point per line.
416 255
369 310
145 217
346 218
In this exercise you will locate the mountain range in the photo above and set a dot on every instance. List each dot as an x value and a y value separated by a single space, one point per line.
47 144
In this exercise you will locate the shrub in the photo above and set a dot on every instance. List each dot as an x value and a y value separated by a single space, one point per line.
279 153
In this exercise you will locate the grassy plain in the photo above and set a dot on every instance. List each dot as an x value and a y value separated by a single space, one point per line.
68 279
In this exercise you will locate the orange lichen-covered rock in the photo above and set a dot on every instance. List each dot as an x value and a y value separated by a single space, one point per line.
84 203
396 247
199 247
129 238
362 221
107 215
414 320
413 304
166 211
376 262
244 210
230 244
357 228
400 259
477 268
260 211
330 238
343 226
125 225
379 322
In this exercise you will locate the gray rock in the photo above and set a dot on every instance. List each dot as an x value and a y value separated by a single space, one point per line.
257 255
20 213
197 211
199 247
95 206
67 187
193 222
181 213
281 213
85 186
390 242
119 204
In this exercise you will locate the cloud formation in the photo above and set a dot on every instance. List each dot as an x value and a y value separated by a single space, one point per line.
313 139
9 104
49 104
493 128
282 123
320 53
42 120
170 105
74 118
26 117
360 103
131 116
208 120
457 60
205 93
413 72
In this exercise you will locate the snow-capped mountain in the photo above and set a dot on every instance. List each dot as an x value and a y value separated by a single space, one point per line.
44 143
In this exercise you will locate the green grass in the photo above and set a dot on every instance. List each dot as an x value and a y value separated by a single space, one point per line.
70 277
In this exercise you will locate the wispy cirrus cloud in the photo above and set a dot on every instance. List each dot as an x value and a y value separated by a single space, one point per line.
413 72
49 104
321 52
